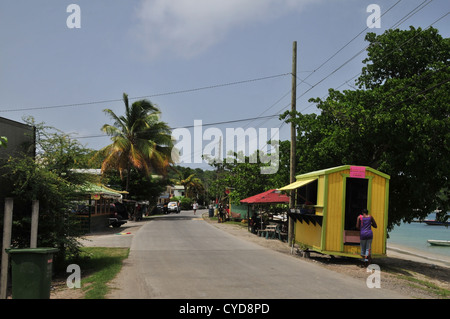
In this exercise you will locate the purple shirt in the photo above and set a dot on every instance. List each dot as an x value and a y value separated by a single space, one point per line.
366 227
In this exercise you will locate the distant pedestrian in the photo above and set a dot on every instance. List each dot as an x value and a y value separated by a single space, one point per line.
254 224
195 206
221 214
364 223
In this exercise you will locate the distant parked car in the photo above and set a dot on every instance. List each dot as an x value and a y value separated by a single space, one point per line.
158 209
173 207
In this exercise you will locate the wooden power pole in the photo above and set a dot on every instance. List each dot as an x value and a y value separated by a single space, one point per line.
293 139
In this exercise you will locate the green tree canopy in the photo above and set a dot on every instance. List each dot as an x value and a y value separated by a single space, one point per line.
59 152
241 179
396 122
403 54
141 187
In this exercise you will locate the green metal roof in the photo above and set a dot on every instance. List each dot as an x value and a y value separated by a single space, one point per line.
337 169
90 188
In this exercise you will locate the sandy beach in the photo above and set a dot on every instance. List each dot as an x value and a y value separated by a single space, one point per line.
408 253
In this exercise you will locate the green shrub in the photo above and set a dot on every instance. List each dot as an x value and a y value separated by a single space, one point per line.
185 202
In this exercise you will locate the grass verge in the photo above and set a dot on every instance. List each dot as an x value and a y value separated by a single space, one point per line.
418 281
427 286
99 265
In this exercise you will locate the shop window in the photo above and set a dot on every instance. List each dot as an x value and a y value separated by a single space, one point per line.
307 195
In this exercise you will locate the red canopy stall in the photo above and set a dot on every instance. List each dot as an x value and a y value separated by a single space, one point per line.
271 196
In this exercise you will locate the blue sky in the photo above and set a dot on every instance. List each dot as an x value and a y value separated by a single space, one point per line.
149 48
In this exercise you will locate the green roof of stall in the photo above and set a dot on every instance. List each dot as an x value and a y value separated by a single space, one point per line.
90 188
337 169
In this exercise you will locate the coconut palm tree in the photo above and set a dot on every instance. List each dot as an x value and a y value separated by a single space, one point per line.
139 140
192 184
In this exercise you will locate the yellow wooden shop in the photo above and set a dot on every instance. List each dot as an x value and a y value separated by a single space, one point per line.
328 203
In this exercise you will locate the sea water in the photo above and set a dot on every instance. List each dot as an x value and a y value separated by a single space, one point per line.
415 235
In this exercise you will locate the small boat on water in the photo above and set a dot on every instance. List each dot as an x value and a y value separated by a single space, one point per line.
432 219
436 223
436 242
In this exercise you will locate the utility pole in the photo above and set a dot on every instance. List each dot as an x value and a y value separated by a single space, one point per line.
293 140
219 163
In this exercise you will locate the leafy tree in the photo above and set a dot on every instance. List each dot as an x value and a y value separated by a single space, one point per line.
282 176
139 140
30 181
202 179
141 187
185 202
403 54
48 179
60 153
396 122
241 179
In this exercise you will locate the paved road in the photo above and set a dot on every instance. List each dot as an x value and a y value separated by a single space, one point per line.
180 256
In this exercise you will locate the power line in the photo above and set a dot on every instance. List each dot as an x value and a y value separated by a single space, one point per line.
276 115
311 86
239 142
408 40
342 65
203 124
414 11
356 36
411 13
147 96
327 60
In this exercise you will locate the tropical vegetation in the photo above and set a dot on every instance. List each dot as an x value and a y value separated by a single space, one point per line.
396 121
139 140
47 178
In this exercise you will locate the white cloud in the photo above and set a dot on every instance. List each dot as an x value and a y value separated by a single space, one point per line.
189 27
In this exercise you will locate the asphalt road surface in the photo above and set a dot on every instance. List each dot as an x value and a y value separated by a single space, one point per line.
180 256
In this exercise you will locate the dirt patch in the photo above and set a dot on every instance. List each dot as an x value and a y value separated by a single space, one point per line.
59 290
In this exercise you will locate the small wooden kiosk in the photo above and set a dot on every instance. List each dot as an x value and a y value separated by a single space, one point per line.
328 203
95 201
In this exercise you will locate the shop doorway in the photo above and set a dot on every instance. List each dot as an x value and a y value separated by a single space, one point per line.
356 190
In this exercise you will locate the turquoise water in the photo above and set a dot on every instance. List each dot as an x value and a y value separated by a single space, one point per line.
415 235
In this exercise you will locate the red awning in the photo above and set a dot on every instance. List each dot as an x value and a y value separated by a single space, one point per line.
271 196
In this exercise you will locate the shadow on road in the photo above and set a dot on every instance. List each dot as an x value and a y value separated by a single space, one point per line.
175 217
